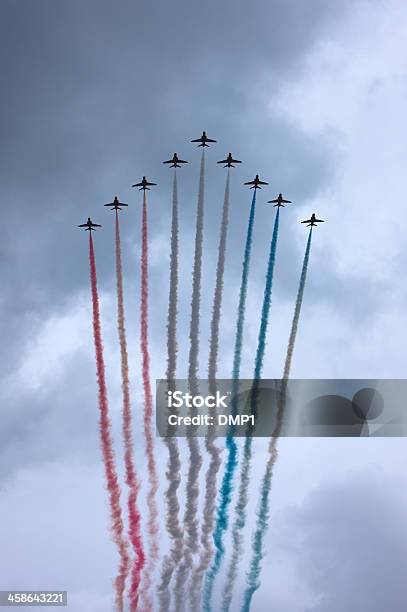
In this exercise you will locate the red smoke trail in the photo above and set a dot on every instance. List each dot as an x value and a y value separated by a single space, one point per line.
148 416
131 476
106 441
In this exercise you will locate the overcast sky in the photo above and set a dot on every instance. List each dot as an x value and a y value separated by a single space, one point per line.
310 95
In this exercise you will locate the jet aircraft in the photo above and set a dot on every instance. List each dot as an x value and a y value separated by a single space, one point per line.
313 221
90 226
144 184
203 140
280 201
256 182
116 205
229 161
175 161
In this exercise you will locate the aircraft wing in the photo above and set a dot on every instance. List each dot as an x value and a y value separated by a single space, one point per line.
261 183
286 201
223 161
250 183
197 140
210 140
182 161
137 185
83 225
170 161
319 220
307 221
96 225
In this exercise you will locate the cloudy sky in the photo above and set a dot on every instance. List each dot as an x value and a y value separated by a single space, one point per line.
310 95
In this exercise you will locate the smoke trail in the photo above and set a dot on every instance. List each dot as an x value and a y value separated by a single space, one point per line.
195 457
213 450
152 526
261 527
261 346
253 576
196 281
174 465
237 358
218 294
241 504
131 477
173 296
231 461
106 442
297 312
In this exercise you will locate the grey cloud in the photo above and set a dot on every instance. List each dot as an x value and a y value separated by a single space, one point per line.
94 95
97 93
344 547
57 420
351 544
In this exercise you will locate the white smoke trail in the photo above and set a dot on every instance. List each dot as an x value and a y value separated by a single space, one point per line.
174 465
195 458
213 450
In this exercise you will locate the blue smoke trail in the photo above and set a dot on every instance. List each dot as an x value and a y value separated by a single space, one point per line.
241 504
231 461
253 576
266 301
257 543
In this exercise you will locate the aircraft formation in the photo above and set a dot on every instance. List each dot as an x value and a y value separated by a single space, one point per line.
202 577
175 162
